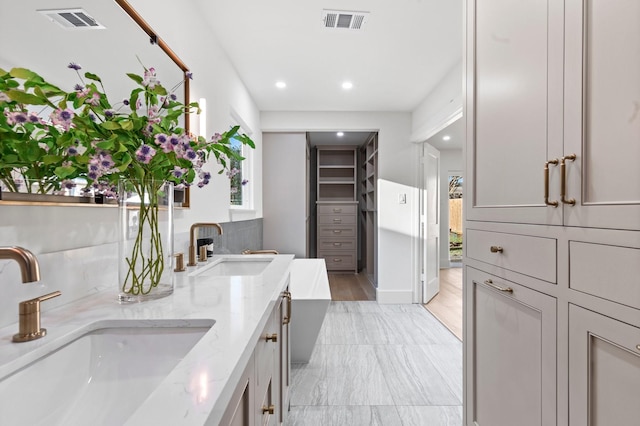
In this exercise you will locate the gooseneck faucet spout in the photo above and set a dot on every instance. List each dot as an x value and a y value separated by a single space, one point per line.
192 239
29 267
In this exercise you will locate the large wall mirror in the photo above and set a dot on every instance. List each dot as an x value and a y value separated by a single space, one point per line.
33 39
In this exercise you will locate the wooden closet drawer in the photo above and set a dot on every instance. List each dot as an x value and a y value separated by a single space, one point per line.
338 261
334 209
337 220
336 231
606 271
533 256
332 244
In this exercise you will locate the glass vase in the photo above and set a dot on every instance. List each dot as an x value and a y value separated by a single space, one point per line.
145 249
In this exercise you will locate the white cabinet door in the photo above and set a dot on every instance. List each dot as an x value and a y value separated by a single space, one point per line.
514 109
511 353
604 370
602 113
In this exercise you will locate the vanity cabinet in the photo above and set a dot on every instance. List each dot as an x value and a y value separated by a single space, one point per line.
553 205
514 342
261 397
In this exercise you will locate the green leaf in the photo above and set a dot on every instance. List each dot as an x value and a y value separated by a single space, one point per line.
51 159
135 77
64 171
23 73
108 144
126 124
111 125
92 76
24 98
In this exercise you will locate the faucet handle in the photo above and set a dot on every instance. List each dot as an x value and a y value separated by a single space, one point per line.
29 318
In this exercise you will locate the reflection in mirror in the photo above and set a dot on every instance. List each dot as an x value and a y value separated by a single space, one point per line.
112 48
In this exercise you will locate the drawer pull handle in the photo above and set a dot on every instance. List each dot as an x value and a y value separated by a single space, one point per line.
337 210
496 249
337 260
563 180
546 183
337 231
272 337
270 409
638 347
337 220
286 320
497 287
337 244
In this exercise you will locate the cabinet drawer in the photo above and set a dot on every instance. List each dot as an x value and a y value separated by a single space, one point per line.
609 272
338 261
334 209
332 244
336 231
533 256
337 219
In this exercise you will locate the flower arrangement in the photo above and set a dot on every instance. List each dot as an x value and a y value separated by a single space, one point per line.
138 140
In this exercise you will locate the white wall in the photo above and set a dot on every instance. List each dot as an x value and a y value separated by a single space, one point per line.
450 161
284 192
397 173
440 108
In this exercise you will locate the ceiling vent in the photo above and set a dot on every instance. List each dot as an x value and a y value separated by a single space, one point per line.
344 19
72 19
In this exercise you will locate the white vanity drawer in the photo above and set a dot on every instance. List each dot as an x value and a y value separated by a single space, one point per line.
533 256
337 209
606 271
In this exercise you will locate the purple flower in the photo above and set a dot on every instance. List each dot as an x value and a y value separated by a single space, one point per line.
125 101
178 171
161 139
173 97
68 184
244 182
74 66
72 150
94 99
33 117
109 113
191 154
189 75
78 87
145 153
14 118
216 138
62 117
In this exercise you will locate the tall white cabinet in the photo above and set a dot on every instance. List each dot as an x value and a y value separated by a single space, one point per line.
552 257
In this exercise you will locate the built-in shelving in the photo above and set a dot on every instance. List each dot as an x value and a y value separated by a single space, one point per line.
368 170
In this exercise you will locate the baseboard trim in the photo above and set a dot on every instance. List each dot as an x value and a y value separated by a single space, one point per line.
394 296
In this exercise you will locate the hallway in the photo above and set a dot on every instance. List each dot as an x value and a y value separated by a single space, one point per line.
383 365
446 306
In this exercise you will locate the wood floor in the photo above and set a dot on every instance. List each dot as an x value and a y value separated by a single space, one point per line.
447 305
350 287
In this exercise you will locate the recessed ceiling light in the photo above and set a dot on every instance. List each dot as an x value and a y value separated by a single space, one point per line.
340 134
281 84
446 138
347 85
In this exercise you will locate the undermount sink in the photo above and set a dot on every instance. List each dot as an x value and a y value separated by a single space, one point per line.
100 377
235 266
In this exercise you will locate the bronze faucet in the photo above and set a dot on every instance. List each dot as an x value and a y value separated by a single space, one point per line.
29 310
28 263
192 239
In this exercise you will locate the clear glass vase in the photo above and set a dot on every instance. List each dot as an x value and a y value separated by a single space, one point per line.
145 249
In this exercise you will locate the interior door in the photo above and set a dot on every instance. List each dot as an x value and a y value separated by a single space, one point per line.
430 223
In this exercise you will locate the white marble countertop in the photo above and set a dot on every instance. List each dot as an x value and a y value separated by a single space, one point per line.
198 389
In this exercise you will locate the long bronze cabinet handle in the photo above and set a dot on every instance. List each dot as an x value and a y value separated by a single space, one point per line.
553 162
563 177
490 283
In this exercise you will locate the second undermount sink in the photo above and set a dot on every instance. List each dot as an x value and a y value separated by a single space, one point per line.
100 377
235 266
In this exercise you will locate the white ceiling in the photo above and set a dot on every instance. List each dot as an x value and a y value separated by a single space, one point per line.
455 132
403 51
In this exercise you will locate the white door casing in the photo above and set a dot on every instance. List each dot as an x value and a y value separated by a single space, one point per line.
430 223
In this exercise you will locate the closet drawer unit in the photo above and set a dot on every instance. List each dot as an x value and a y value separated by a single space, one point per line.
533 256
606 271
337 219
333 231
337 209
337 261
334 244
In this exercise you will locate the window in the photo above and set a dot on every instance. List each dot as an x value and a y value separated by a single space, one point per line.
239 173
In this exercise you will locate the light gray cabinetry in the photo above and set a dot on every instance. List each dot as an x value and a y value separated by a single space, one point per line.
337 208
262 394
604 374
511 364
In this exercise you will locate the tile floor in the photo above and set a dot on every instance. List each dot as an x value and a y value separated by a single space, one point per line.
381 365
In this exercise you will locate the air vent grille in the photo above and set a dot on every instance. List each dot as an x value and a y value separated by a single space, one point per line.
344 19
72 19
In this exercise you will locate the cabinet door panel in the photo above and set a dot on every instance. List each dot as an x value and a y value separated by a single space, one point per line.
515 109
511 354
604 370
603 113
